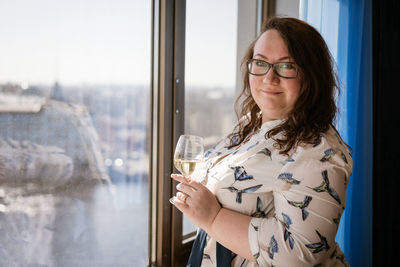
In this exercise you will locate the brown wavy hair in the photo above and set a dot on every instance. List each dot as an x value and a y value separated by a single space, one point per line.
315 109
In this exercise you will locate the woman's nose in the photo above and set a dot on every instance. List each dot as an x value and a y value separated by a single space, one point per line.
271 76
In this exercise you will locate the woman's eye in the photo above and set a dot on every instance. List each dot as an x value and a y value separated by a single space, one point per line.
261 64
286 66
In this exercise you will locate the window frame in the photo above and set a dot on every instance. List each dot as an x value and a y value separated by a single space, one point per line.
167 245
165 223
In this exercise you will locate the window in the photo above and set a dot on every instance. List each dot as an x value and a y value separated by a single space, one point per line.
210 72
170 235
74 140
93 96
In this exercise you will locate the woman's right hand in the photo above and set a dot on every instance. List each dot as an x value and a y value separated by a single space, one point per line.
196 201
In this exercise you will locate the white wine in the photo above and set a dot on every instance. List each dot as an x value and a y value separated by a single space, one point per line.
186 167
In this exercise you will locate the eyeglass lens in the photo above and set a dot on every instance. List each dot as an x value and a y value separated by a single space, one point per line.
284 69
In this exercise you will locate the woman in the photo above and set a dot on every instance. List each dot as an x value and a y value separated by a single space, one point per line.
276 186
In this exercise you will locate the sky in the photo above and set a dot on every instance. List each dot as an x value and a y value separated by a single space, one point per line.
108 42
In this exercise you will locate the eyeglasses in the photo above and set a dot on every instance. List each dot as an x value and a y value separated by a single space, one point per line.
259 67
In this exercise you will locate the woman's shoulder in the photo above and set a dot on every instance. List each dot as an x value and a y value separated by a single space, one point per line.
329 148
328 157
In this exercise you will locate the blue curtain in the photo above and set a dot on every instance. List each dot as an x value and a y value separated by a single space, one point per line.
346 25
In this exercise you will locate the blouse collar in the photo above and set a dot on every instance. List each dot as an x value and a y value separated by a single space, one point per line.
268 125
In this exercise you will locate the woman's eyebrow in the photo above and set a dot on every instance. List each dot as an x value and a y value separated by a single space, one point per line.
282 58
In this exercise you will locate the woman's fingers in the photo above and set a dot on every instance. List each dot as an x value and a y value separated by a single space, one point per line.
186 180
185 188
180 205
182 196
180 178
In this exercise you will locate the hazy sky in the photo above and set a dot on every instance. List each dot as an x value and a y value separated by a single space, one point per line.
108 41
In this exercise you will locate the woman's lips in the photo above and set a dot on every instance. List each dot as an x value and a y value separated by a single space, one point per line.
270 92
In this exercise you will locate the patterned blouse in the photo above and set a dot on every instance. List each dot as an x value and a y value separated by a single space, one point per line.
296 201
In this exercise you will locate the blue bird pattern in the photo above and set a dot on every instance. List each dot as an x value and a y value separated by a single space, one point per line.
318 141
289 159
241 174
337 256
235 140
270 250
255 227
239 192
288 177
256 256
325 187
259 212
344 157
286 220
329 153
265 151
287 236
337 219
319 246
253 145
302 205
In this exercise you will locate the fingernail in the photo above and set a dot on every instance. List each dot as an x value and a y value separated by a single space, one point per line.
172 200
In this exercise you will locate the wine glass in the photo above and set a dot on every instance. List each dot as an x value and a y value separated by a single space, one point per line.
188 154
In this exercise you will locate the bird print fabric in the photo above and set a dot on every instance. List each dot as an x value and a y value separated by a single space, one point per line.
287 235
295 200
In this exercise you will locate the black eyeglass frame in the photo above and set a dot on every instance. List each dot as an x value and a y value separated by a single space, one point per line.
270 65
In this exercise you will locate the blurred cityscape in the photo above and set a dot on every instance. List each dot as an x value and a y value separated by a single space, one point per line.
74 170
121 115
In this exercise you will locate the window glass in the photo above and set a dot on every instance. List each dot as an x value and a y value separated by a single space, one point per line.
210 71
74 113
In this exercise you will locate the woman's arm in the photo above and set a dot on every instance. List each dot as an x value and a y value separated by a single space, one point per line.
227 227
233 235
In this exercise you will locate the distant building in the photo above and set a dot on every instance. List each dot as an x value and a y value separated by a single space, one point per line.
57 93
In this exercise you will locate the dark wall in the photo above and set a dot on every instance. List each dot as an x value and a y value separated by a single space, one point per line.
386 120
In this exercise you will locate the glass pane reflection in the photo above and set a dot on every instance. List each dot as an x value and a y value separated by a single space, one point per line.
210 72
74 109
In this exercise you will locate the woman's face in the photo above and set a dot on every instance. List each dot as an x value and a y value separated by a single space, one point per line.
274 95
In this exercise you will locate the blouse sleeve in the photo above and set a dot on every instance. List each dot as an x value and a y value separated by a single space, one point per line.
309 200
